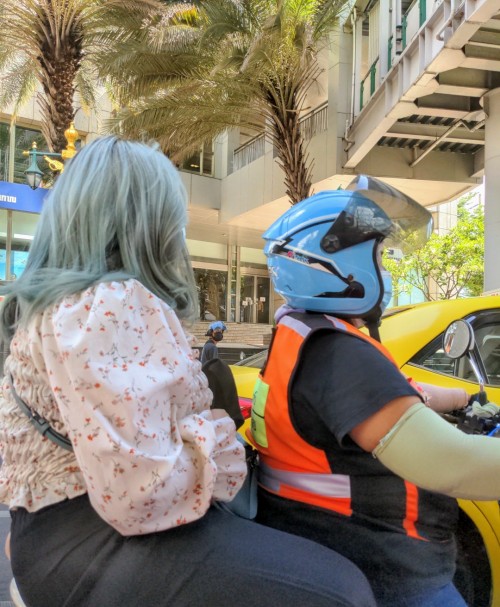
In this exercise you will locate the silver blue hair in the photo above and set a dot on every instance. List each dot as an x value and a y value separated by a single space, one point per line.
118 211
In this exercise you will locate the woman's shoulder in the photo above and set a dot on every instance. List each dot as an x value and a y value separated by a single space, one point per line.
102 311
118 304
124 295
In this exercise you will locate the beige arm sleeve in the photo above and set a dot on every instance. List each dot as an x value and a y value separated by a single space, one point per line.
443 400
431 453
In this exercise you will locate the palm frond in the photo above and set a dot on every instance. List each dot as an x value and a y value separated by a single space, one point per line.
86 83
211 111
327 17
18 82
185 77
182 72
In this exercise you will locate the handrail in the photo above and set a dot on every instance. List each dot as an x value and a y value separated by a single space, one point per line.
396 44
316 121
249 151
422 12
449 21
372 72
248 143
411 6
312 123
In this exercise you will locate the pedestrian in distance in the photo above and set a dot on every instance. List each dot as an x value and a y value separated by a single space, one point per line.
215 334
116 503
352 454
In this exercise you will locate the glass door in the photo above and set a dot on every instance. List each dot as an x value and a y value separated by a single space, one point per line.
247 289
262 299
254 299
212 293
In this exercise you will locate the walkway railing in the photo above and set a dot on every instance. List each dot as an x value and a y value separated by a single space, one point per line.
249 151
311 124
315 122
372 75
404 32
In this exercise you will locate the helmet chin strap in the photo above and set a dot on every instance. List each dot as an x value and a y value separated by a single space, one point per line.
372 323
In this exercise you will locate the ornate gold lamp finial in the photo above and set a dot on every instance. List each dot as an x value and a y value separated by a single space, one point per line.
71 135
34 175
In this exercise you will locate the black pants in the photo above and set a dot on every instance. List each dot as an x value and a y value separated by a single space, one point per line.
67 556
397 566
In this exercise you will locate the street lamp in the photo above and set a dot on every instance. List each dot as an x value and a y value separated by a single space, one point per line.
33 173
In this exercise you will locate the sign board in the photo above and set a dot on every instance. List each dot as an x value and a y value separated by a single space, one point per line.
492 292
20 197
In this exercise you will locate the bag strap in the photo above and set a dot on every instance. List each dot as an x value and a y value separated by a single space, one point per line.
40 423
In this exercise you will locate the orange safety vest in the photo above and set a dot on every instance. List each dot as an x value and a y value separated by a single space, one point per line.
288 465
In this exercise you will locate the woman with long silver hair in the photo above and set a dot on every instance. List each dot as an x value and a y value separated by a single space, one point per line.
114 499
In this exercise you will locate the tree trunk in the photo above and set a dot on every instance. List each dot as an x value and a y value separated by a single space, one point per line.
291 150
59 64
56 103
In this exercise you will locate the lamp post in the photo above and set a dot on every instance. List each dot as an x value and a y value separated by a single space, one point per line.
33 173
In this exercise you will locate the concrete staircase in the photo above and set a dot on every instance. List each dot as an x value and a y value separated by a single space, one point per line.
237 333
240 339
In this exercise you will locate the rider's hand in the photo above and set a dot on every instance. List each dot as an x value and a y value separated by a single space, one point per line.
479 397
443 400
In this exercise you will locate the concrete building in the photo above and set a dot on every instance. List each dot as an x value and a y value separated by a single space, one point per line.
410 93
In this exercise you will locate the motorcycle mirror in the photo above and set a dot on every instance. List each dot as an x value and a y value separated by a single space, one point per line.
458 339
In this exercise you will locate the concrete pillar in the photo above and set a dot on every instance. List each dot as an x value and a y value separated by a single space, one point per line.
384 18
340 90
224 149
358 55
491 104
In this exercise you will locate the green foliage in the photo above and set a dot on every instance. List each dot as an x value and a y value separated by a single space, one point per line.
50 47
449 265
41 43
188 73
181 73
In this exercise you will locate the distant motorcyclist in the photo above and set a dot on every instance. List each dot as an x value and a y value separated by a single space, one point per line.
350 454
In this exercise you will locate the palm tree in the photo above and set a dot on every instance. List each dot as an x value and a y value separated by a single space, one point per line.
54 44
190 72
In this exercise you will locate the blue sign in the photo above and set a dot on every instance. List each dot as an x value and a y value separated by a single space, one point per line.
19 197
18 261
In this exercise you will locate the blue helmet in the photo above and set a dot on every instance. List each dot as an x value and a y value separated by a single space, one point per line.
217 325
322 253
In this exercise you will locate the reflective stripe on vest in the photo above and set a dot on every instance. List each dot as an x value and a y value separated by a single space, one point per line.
328 485
330 491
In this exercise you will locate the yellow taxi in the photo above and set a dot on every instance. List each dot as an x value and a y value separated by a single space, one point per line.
414 336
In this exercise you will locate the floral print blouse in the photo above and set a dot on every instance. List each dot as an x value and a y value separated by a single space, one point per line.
112 368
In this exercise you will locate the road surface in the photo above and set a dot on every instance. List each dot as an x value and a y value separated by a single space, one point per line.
5 571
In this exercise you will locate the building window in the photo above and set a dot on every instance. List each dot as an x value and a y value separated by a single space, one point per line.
4 152
23 229
212 293
253 258
202 162
24 138
207 252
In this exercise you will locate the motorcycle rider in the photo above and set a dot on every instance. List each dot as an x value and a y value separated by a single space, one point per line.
350 455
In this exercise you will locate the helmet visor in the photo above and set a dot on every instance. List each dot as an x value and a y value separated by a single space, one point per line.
389 214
